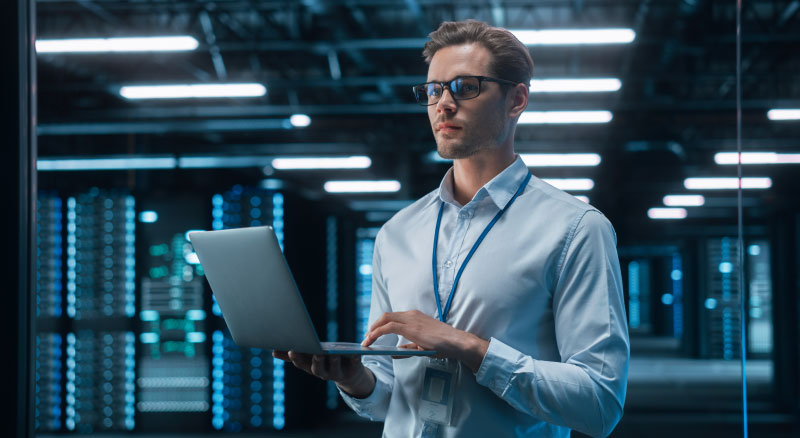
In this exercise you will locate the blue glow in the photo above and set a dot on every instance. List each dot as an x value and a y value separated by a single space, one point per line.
148 217
148 315
754 250
186 235
666 299
710 303
633 293
149 338
195 337
677 296
195 315
726 267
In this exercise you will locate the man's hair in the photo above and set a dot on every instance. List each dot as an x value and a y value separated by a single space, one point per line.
510 58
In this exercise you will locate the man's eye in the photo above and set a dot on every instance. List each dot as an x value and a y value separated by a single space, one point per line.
434 90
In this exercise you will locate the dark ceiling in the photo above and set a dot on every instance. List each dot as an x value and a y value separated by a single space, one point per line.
349 65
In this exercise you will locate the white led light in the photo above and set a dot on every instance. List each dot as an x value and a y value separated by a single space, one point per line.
575 85
111 45
148 217
362 186
564 117
570 184
560 37
784 114
666 213
300 120
727 183
354 162
192 91
551 160
105 163
756 158
191 258
684 200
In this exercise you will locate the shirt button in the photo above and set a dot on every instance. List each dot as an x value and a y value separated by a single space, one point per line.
448 264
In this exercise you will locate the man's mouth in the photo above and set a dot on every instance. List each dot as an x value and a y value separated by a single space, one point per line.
447 127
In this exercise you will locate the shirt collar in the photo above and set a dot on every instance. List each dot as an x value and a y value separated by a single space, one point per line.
500 189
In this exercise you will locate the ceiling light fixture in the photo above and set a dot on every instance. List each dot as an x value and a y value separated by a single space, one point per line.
784 114
729 183
666 213
570 184
300 120
383 186
561 37
114 45
307 163
756 158
558 160
564 117
575 85
684 200
190 91
105 163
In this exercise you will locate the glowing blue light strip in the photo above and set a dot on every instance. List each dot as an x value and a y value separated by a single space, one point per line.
278 385
633 292
677 296
71 261
70 423
332 299
217 381
130 364
364 249
130 256
727 316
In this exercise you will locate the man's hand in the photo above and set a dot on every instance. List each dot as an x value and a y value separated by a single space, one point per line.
347 371
430 334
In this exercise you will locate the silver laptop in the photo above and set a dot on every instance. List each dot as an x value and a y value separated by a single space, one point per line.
258 296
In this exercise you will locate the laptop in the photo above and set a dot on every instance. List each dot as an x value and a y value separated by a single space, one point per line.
259 299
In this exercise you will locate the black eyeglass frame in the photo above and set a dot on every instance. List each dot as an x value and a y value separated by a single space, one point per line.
446 84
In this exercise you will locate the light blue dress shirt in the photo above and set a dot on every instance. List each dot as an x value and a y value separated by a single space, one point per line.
544 287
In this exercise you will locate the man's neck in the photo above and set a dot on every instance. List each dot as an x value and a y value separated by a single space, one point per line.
472 173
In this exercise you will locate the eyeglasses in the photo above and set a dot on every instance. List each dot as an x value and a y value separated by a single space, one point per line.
461 88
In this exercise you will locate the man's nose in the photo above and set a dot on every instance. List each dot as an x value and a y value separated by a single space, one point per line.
446 103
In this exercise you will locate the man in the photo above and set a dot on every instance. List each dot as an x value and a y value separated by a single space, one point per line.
529 317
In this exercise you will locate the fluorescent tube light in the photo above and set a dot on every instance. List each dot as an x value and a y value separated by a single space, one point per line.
583 198
300 120
570 184
552 160
113 45
212 162
684 200
192 91
563 117
354 162
666 213
362 186
105 163
756 158
561 37
784 114
727 183
575 85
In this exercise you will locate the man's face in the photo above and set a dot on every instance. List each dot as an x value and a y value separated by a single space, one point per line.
464 127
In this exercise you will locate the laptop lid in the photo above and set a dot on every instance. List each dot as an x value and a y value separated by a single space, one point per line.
255 290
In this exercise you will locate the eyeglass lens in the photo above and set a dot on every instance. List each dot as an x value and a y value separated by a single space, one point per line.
460 88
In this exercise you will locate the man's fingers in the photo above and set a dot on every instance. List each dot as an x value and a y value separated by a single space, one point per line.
282 355
300 360
387 328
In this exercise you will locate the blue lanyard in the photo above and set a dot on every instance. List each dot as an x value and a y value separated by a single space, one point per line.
443 315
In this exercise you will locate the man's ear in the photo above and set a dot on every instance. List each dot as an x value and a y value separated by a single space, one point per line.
519 100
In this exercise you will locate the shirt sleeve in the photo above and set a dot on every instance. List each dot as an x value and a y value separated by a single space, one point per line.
375 405
586 390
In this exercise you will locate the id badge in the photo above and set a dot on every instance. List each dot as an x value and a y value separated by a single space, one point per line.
438 388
